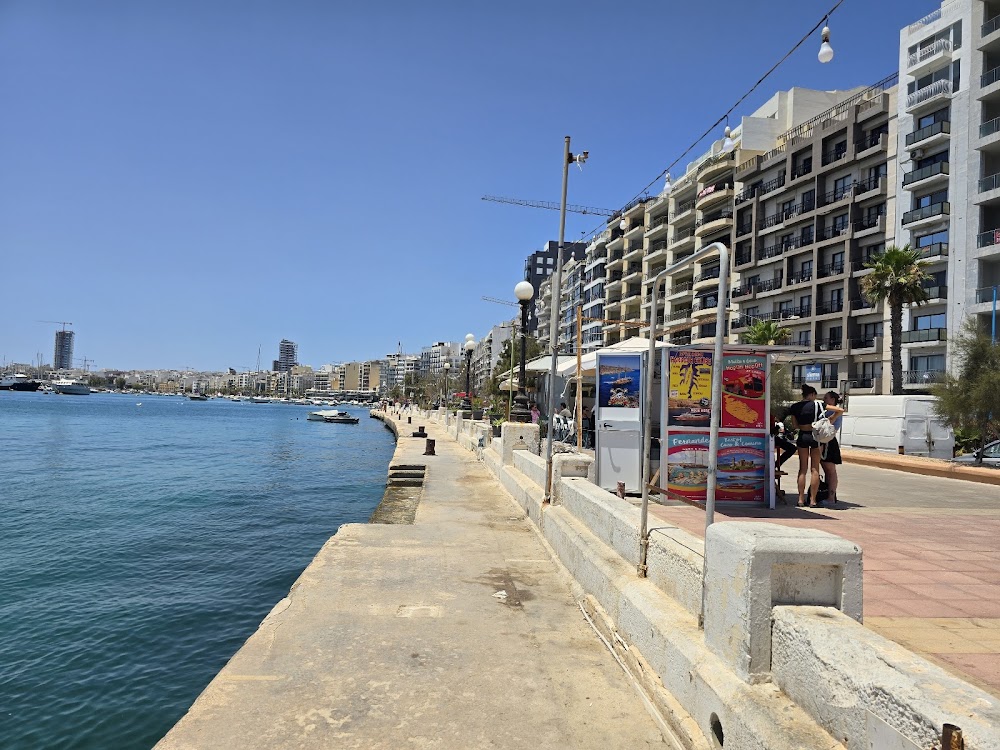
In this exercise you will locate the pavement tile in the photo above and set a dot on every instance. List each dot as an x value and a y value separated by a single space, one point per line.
983 667
926 607
947 576
881 608
882 591
986 576
942 592
979 608
990 592
902 576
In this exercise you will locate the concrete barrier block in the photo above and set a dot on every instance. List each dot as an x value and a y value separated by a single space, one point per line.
532 466
754 566
569 465
517 436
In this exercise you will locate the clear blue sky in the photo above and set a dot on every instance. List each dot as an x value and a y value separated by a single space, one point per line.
187 180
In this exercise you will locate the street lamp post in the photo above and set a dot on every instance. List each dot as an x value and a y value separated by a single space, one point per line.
524 292
446 396
470 346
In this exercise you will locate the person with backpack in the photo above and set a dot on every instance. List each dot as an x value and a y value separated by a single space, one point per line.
804 413
830 452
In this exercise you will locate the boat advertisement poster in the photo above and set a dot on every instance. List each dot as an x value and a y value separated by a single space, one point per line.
742 474
744 392
689 388
619 381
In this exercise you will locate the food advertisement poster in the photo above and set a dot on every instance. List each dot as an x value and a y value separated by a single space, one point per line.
689 388
744 392
742 474
618 381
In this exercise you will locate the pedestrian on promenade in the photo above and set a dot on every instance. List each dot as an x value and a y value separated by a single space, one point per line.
804 413
588 427
781 441
830 452
564 410
535 414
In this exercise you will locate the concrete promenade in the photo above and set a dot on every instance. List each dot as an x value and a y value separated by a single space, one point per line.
459 631
931 556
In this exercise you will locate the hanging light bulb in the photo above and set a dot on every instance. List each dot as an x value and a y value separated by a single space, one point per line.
825 50
728 144
623 225
667 187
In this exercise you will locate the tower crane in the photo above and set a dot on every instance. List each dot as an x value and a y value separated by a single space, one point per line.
551 205
62 323
498 301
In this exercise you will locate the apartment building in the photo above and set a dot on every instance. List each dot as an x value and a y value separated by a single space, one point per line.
540 265
811 211
949 182
487 352
594 279
433 357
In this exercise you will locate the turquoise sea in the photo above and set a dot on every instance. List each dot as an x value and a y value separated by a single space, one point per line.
140 546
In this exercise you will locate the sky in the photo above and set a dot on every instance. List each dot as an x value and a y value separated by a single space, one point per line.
188 181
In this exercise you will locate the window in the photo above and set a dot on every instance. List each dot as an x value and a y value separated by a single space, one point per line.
806 268
880 170
840 222
942 115
873 212
922 201
837 295
805 303
808 200
941 74
830 373
707 330
806 235
929 161
836 334
841 186
926 322
840 149
871 369
925 363
786 208
786 240
751 312
753 281
871 330
804 338
837 262
932 239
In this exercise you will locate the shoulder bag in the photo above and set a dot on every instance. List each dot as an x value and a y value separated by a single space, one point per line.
823 429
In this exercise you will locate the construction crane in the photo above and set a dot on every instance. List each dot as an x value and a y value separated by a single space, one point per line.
62 323
498 301
551 206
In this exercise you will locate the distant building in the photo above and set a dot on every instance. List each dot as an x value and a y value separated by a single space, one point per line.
62 359
288 352
541 264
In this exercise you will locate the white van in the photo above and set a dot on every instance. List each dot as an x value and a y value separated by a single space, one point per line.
901 424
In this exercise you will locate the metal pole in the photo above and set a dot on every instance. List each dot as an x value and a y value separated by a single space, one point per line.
993 335
579 377
713 430
554 323
647 420
520 413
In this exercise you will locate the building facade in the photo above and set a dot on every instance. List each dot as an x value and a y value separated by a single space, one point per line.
288 353
540 265
62 357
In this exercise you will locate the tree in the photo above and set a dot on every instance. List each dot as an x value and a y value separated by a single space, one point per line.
532 348
897 277
969 399
766 332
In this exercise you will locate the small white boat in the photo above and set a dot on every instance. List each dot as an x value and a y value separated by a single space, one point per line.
332 415
71 387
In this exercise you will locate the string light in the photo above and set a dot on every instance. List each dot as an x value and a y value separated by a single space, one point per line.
825 50
728 144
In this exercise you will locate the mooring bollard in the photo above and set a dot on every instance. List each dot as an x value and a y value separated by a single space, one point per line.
420 428
429 451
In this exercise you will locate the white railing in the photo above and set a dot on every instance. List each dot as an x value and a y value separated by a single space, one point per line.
928 92
941 45
929 18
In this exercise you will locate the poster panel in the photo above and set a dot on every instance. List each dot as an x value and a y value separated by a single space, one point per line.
744 392
619 381
742 474
690 388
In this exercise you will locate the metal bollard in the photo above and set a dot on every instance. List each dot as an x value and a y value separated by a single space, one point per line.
409 420
429 451
951 738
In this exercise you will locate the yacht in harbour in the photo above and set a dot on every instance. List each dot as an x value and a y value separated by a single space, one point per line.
71 387
18 381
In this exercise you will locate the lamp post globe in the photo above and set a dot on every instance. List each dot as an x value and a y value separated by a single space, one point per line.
445 399
519 413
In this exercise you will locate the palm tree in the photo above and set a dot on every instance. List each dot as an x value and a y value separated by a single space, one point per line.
897 277
766 332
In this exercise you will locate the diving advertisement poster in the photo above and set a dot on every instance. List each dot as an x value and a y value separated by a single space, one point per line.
689 390
619 381
742 473
744 392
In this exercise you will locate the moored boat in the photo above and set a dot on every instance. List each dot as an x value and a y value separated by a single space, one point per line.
71 387
335 416
18 381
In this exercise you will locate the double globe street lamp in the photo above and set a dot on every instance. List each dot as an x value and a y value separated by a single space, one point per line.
520 413
470 346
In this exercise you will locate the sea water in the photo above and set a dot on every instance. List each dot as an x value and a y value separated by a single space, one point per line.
142 541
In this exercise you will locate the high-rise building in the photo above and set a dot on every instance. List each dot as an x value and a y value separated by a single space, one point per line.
541 265
288 352
62 358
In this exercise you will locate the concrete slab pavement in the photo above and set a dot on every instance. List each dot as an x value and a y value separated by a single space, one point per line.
931 559
457 631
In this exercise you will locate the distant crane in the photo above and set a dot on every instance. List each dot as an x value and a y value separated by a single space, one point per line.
551 205
62 323
86 363
498 301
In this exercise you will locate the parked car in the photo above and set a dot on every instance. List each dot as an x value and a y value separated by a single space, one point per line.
991 456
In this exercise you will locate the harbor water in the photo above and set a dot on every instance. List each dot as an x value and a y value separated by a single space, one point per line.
143 544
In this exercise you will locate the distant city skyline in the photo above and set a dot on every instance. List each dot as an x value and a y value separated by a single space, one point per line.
188 181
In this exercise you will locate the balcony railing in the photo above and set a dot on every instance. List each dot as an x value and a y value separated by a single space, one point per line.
835 195
929 92
929 18
869 222
726 213
831 269
871 141
985 294
827 307
743 289
708 274
769 285
684 207
863 186
658 222
772 185
829 345
658 246
919 135
683 234
705 303
941 45
683 286
989 183
802 170
925 335
745 228
800 278
680 314
746 195
865 342
922 377
938 248
832 232
834 154
864 381
989 127
990 26
742 258
990 77
917 175
771 251
927 212
861 303
988 239
936 292
633 246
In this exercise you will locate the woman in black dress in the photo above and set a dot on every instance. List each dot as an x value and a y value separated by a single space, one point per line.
830 452
804 413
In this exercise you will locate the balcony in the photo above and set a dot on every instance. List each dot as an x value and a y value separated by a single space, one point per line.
989 128
866 345
988 239
800 278
926 137
938 250
656 248
683 210
771 251
746 195
714 193
708 275
869 145
681 236
833 232
834 155
936 293
771 185
926 58
744 228
743 257
769 285
926 215
922 378
829 307
746 289
829 345
716 165
830 269
633 247
802 170
864 382
925 336
868 225
835 196
660 222
862 305
927 176
988 30
987 83
928 96
866 188
714 222
682 314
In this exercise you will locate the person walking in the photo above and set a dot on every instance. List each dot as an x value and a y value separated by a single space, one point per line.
804 413
535 414
830 452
